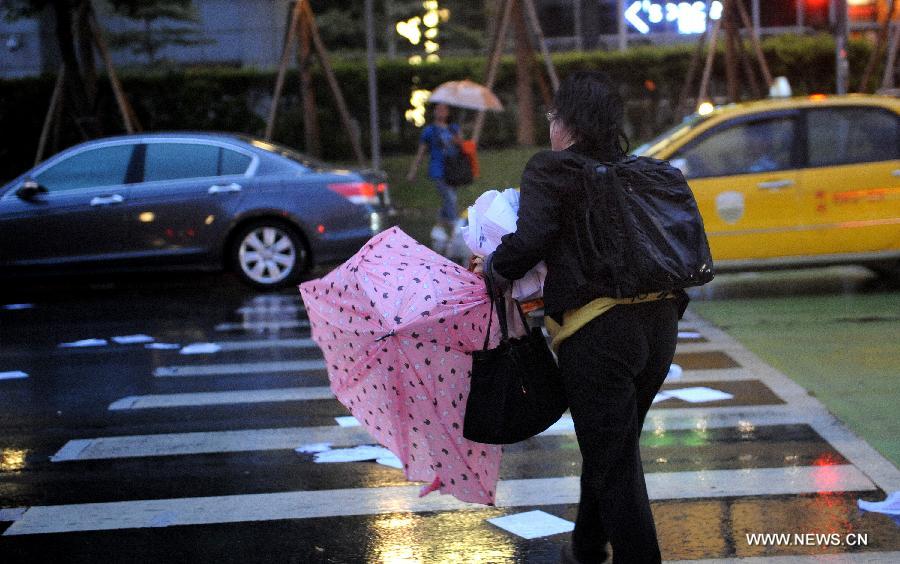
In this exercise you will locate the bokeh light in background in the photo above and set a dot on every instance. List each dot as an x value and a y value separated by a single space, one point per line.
411 30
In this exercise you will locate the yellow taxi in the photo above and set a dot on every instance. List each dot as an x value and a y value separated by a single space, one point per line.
794 181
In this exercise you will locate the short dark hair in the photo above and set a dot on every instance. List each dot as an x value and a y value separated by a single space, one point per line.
589 105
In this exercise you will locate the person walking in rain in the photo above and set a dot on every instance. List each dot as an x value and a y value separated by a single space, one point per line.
613 353
441 139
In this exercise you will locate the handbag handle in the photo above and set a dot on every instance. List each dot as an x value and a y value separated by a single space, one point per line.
501 308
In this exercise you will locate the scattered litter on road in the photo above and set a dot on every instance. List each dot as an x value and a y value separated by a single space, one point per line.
661 396
313 448
890 505
201 348
533 524
86 343
356 454
163 346
347 421
13 375
133 339
13 307
675 372
699 394
689 335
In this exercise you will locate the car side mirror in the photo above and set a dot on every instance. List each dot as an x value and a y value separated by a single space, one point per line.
30 189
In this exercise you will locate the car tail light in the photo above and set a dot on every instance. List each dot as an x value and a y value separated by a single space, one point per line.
358 192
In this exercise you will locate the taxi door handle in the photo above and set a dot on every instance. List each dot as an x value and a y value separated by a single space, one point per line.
895 172
775 184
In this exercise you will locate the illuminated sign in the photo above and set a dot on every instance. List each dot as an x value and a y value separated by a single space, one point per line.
647 16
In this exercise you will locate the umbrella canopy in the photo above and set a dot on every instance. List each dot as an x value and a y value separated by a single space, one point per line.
465 94
396 324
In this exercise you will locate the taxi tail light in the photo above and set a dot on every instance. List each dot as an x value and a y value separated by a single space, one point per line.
357 192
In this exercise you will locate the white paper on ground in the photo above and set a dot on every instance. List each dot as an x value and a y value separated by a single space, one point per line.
18 306
86 343
163 346
355 454
890 505
675 372
689 335
313 448
133 339
699 394
391 461
201 348
533 524
661 396
347 421
13 375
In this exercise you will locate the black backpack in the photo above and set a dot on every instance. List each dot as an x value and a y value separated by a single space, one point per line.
457 170
641 231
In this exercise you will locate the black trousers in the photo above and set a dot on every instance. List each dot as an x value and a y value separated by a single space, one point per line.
612 369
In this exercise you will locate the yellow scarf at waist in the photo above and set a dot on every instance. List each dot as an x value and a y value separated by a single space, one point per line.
575 319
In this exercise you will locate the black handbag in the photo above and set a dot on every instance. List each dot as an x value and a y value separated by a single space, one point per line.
457 169
516 389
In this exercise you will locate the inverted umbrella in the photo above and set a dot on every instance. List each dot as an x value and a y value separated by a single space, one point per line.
396 324
465 94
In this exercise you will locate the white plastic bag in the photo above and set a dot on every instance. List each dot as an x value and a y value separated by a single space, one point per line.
492 216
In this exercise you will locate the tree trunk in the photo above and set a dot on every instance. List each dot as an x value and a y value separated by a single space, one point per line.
86 54
307 95
76 95
524 65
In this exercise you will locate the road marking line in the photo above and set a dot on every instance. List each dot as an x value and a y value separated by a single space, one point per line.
222 398
405 499
174 444
239 368
882 471
12 513
267 344
262 309
262 325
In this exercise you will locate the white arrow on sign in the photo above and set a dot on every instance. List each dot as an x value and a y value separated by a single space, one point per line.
631 14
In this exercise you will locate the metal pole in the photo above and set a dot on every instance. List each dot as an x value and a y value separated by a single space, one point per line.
754 8
840 31
623 31
801 14
374 129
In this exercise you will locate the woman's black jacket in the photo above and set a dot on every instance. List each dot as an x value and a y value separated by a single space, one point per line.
550 207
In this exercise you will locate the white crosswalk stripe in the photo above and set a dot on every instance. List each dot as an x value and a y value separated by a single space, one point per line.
222 398
291 437
405 499
263 325
239 368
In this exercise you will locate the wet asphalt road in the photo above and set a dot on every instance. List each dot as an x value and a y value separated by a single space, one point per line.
64 445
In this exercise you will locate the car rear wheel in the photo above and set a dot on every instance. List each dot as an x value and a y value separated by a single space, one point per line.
268 254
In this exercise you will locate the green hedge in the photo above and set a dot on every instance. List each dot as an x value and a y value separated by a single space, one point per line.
237 99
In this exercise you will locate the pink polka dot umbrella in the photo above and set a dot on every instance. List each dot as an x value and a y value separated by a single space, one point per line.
396 324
